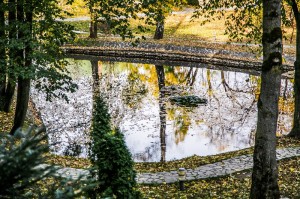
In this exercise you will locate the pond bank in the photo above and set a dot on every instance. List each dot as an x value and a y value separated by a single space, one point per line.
218 169
173 53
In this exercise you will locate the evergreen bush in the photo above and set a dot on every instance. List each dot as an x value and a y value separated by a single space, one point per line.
20 160
111 157
24 174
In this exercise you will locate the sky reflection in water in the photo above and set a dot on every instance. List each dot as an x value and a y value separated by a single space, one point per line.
140 107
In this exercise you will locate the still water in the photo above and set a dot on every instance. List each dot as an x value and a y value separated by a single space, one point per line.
155 129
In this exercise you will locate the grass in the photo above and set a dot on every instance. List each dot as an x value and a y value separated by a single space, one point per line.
179 29
176 26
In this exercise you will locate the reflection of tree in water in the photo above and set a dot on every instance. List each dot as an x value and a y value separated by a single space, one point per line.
233 94
162 110
285 107
181 75
180 79
163 93
148 153
122 85
228 118
135 90
74 148
181 121
235 105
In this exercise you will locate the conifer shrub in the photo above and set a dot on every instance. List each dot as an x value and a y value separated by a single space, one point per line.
24 174
21 155
111 157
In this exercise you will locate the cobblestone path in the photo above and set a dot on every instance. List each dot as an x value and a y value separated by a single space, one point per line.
217 169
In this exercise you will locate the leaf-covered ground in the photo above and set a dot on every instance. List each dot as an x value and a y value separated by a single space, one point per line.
189 162
6 121
196 161
233 186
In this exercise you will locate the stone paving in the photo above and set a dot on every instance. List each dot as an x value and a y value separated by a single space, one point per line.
217 169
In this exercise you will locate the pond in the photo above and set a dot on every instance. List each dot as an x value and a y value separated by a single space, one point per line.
155 128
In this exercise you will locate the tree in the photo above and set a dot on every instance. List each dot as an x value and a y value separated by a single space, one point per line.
18 162
24 14
109 153
31 46
2 57
265 171
295 132
244 23
117 15
94 19
156 12
7 78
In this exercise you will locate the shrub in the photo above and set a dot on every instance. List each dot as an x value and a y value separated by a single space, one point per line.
110 156
23 172
20 160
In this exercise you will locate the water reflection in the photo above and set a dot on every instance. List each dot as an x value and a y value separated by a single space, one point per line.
162 110
155 129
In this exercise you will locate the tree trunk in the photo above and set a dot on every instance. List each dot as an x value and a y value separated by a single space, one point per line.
93 24
24 81
12 35
22 103
2 58
162 111
9 94
159 32
265 171
7 84
295 132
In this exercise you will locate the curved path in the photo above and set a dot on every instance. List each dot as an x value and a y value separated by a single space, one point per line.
217 169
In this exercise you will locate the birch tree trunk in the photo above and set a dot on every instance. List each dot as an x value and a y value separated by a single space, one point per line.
265 171
162 110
